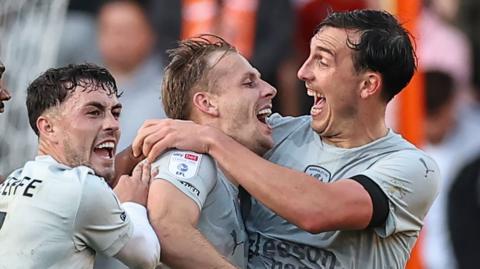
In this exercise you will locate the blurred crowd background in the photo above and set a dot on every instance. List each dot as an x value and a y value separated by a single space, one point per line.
131 38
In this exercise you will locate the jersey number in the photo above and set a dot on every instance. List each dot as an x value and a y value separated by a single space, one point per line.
2 218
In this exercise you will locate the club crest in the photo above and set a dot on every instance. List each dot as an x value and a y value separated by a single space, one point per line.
318 172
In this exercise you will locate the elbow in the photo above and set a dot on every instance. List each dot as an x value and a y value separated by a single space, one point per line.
311 225
147 259
147 254
310 221
146 263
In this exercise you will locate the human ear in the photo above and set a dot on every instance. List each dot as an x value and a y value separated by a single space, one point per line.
206 103
45 126
371 84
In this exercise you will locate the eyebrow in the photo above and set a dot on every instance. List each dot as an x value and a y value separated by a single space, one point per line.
250 74
323 49
102 106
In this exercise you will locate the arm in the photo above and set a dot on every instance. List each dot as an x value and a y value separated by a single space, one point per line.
108 228
316 206
143 248
174 217
124 164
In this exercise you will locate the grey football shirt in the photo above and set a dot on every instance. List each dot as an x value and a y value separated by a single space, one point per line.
408 177
220 221
54 216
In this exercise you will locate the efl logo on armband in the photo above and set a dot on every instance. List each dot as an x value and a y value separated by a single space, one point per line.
184 164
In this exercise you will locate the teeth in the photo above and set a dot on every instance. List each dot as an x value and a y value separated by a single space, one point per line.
265 111
313 93
107 145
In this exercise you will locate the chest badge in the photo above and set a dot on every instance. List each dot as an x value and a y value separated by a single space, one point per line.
318 172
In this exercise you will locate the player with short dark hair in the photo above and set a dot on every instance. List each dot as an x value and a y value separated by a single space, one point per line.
58 211
339 189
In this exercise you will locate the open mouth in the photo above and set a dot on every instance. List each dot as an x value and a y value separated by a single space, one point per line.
105 150
318 101
263 114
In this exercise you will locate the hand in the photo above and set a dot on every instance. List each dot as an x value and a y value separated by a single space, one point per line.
156 136
135 188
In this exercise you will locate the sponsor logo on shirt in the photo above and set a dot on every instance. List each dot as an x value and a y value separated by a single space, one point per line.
191 157
283 254
184 164
318 172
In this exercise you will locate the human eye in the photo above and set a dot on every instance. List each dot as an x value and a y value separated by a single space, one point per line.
322 61
250 83
116 113
94 112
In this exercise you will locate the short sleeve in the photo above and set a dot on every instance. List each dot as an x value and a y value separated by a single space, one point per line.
192 173
410 179
101 223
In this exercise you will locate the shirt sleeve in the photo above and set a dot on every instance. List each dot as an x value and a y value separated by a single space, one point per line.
410 179
192 173
101 223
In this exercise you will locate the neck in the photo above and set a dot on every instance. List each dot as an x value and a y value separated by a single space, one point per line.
365 128
45 148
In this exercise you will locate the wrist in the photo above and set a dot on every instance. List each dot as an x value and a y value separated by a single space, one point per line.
211 136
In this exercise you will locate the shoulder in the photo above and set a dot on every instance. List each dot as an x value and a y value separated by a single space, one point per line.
284 127
277 121
184 163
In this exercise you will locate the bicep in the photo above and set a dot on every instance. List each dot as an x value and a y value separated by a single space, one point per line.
166 203
353 207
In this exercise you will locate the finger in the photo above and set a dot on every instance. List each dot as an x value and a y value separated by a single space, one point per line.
122 178
137 171
142 134
146 173
157 150
150 141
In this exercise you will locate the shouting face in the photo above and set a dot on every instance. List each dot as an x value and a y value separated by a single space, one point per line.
86 130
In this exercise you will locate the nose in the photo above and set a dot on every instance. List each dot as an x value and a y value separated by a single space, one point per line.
269 91
4 94
305 72
111 123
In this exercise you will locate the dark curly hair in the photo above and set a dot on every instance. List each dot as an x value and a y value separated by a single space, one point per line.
52 87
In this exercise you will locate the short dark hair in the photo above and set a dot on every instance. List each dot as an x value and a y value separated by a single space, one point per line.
187 70
385 46
52 87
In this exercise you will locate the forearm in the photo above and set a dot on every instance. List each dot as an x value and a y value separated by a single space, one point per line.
297 197
183 246
124 164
